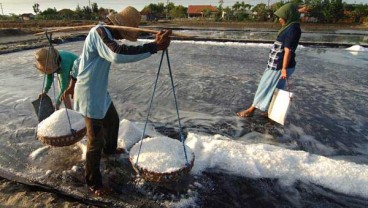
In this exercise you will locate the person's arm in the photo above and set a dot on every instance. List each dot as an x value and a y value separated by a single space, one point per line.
74 71
291 42
73 80
69 90
64 80
112 51
49 80
285 63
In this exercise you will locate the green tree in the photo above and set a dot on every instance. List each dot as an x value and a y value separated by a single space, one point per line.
66 14
229 13
236 6
157 10
178 12
359 11
326 10
78 12
332 10
49 14
170 6
94 8
10 17
87 12
207 13
221 3
243 13
296 1
261 12
36 8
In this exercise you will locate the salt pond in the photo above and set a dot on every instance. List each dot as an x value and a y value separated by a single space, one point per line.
319 158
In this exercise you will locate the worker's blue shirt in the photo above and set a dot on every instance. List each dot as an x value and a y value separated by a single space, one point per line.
91 97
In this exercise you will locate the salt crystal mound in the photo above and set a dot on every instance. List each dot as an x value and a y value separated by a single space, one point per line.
357 48
57 124
129 134
161 155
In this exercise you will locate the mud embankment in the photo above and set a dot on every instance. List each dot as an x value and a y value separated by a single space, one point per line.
13 40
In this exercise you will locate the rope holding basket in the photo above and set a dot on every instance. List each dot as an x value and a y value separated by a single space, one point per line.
52 129
178 172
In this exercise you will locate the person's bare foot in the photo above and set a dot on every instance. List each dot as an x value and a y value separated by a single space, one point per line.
245 113
99 191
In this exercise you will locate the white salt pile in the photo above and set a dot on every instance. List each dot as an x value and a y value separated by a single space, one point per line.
268 161
129 134
57 124
161 155
357 48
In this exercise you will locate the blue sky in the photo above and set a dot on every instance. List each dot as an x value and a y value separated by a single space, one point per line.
25 6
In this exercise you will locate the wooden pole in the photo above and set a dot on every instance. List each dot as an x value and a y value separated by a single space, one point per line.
2 8
126 28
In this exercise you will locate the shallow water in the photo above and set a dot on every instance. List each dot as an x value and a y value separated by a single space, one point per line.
213 81
333 37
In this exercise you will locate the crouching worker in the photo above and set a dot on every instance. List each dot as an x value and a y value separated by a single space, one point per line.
91 97
50 61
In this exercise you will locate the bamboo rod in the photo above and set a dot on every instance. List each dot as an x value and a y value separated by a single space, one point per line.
126 28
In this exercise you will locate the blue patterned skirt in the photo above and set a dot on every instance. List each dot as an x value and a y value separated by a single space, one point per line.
269 82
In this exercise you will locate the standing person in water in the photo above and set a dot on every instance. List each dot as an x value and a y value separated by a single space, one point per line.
281 60
90 86
50 61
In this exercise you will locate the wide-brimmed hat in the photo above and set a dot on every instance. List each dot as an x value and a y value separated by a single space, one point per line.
130 17
47 60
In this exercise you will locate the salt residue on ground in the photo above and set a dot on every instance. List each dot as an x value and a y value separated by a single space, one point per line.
221 154
262 45
357 48
262 161
38 152
227 43
268 161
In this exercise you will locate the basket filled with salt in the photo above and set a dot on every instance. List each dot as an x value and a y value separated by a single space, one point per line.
62 128
161 159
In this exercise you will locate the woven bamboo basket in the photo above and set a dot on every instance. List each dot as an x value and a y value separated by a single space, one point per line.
166 177
170 166
62 141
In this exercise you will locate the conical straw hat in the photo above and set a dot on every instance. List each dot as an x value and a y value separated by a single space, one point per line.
47 60
130 17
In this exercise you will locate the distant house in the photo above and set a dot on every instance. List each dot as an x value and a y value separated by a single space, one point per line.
27 16
200 10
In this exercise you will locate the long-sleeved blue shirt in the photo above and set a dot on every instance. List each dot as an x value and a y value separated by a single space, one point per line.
91 97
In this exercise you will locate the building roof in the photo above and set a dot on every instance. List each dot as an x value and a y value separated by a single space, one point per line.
197 9
27 14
